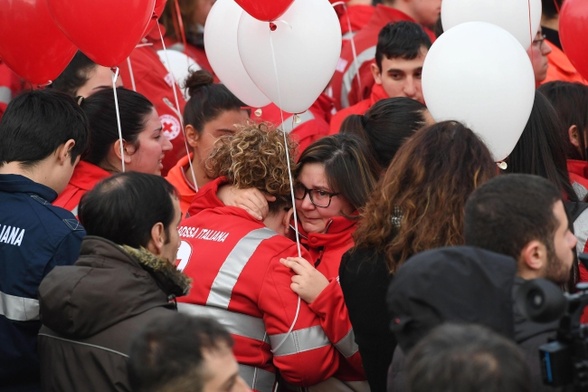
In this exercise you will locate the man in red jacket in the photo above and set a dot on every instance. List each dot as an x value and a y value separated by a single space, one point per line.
400 54
357 54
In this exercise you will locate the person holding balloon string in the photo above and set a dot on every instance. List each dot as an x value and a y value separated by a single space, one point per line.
211 112
333 178
143 143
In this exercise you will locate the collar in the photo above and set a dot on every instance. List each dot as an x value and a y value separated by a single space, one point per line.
16 183
167 276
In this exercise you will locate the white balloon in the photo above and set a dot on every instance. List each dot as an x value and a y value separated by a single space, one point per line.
521 18
479 74
220 43
180 65
293 64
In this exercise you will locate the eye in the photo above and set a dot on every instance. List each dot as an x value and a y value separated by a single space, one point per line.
321 194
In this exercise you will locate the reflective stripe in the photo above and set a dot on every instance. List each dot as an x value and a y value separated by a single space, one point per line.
286 125
581 231
237 323
298 341
350 74
18 308
5 94
84 344
228 274
257 379
580 190
347 345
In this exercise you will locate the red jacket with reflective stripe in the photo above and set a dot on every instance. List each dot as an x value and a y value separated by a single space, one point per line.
234 262
344 87
326 250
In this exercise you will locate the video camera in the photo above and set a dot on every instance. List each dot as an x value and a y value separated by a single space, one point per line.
564 361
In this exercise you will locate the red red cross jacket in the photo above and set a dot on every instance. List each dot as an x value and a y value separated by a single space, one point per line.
233 260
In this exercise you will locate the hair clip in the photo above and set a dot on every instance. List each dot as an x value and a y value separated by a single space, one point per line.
80 99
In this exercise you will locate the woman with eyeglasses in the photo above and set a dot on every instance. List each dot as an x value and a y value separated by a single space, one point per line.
333 179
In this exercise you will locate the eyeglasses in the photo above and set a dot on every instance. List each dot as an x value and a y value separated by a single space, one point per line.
318 197
538 42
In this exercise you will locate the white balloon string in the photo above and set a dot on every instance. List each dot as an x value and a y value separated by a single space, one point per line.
286 145
131 74
116 107
177 110
531 33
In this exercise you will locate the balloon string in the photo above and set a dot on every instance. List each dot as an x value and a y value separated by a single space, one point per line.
120 137
177 110
286 145
179 25
131 74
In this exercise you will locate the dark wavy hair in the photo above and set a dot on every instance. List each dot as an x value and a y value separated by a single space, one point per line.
418 204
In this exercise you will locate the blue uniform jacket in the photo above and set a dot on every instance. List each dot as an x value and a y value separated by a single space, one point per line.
35 236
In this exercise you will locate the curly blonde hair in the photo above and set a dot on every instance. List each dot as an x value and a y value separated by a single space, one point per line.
255 157
418 204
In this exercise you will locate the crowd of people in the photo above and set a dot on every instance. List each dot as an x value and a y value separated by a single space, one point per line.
155 242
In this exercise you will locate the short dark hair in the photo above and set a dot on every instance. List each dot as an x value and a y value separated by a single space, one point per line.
75 75
37 122
466 358
124 207
167 355
507 212
386 126
101 111
349 168
401 40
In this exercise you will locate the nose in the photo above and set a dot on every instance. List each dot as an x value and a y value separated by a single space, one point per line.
305 203
573 240
410 87
545 49
166 144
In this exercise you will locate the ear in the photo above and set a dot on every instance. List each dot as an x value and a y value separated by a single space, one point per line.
376 73
192 136
286 219
63 152
157 240
574 135
127 148
533 258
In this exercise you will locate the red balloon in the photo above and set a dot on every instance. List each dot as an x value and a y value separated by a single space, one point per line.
106 31
265 10
573 33
157 11
31 44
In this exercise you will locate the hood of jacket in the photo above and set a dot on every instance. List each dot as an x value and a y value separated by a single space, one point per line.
108 284
457 284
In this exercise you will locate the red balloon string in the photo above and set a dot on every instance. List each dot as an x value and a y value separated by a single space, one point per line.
556 6
179 24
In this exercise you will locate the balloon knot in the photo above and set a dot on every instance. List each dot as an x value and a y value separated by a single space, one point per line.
273 26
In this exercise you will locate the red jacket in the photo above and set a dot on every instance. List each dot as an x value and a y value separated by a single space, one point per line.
176 176
359 108
85 176
311 126
233 260
560 68
154 81
344 88
357 17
